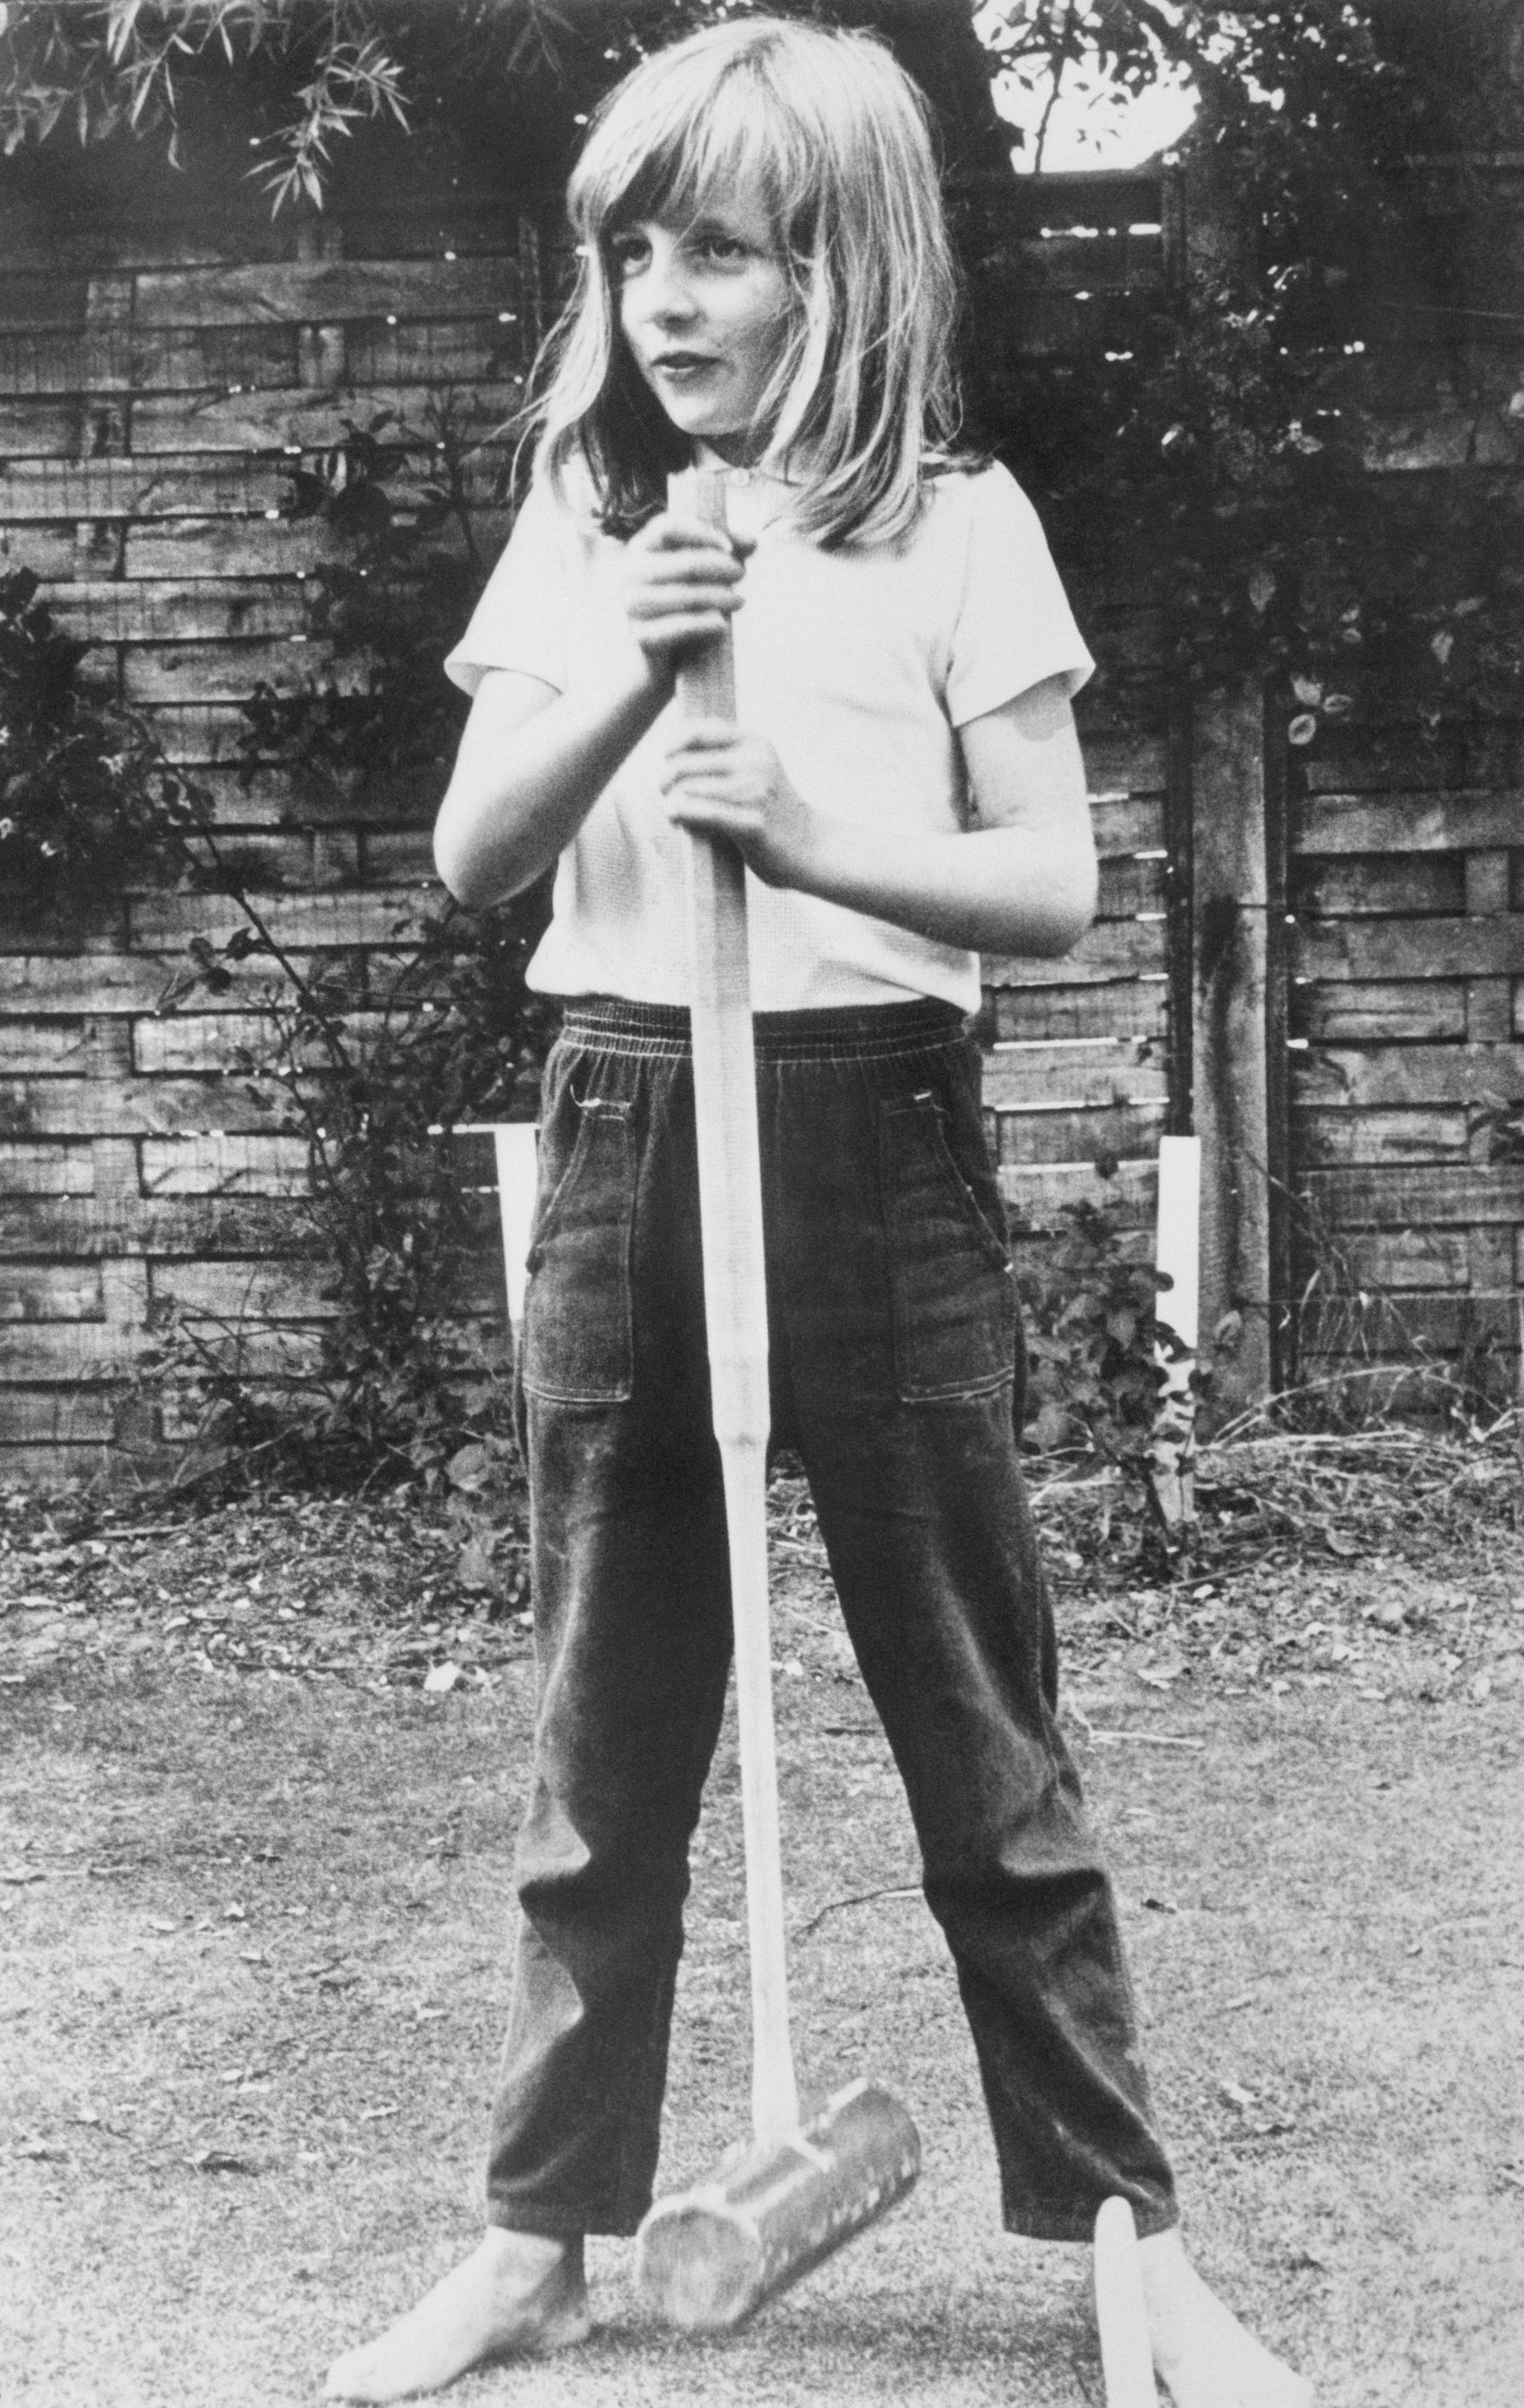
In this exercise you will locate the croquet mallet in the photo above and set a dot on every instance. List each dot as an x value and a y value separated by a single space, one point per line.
709 2256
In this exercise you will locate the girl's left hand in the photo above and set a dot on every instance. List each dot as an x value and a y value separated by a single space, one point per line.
725 782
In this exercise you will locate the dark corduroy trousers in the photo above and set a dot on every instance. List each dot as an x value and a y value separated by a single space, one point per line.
894 1343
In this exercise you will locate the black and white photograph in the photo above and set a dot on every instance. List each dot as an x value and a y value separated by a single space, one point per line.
762 1203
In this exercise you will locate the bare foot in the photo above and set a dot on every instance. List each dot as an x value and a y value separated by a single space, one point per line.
1200 2350
517 2292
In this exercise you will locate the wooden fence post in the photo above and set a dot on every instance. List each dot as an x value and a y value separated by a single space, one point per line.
1230 993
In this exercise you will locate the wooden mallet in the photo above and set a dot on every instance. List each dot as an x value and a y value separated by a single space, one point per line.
709 2256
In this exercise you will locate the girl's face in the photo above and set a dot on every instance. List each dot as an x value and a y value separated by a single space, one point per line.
703 306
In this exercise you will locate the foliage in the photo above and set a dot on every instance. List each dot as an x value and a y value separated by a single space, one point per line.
1225 441
1094 1338
374 1083
88 802
374 1093
1222 442
100 68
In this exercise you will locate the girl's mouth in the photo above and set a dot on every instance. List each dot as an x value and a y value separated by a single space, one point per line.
683 367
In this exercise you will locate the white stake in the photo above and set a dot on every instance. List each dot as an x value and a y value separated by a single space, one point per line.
1127 2359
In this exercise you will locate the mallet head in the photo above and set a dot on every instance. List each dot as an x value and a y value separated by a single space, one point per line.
709 2257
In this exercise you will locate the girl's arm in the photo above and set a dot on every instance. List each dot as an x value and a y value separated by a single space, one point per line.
531 763
534 761
1022 879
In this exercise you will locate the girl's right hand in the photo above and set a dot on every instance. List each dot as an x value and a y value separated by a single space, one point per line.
682 585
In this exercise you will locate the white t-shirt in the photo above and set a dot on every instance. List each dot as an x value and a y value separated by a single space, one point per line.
857 664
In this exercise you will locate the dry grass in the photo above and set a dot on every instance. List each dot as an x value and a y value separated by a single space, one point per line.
258 1901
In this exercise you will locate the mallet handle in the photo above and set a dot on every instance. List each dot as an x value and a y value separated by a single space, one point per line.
735 1312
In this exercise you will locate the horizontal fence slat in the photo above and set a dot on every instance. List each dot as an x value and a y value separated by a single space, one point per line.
302 418
224 672
1126 824
1130 886
1418 1197
1038 1196
1114 1071
123 358
235 1290
1395 756
220 1164
239 1287
86 1049
1400 1260
325 292
1111 949
92 1353
55 299
1098 261
137 1107
1489 946
1120 761
260 547
1103 1132
1137 1010
200 484
181 1043
1054 324
1396 1008
41 1170
1395 1327
1407 1074
56 1465
86 1229
178 611
54 1417
197 359
49 1291
1349 886
352 917
201 735
1338 824
1413 1135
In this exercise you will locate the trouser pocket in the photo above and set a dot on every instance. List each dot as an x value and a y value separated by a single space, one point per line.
579 1333
952 1279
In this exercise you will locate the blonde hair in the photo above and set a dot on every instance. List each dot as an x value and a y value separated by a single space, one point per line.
828 131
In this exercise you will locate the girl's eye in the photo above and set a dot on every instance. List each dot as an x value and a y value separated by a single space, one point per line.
628 254
727 249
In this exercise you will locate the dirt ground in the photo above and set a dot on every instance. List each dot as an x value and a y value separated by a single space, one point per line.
254 1887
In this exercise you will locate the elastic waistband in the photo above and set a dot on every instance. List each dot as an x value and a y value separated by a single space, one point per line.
841 1033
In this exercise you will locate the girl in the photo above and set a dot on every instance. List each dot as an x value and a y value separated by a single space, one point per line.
767 285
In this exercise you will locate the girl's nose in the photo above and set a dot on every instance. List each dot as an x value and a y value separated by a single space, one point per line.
668 294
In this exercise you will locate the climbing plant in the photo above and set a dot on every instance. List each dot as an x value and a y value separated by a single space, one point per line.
88 802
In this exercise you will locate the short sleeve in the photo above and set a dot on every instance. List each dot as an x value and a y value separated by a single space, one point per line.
521 620
1014 625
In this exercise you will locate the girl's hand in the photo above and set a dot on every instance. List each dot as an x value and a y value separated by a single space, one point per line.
721 779
682 584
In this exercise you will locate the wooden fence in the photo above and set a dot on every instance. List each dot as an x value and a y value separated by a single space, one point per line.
1403 875
163 372
160 380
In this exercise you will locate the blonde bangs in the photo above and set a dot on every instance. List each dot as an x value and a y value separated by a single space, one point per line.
826 131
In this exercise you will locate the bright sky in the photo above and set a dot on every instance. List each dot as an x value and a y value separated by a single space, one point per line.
1093 125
